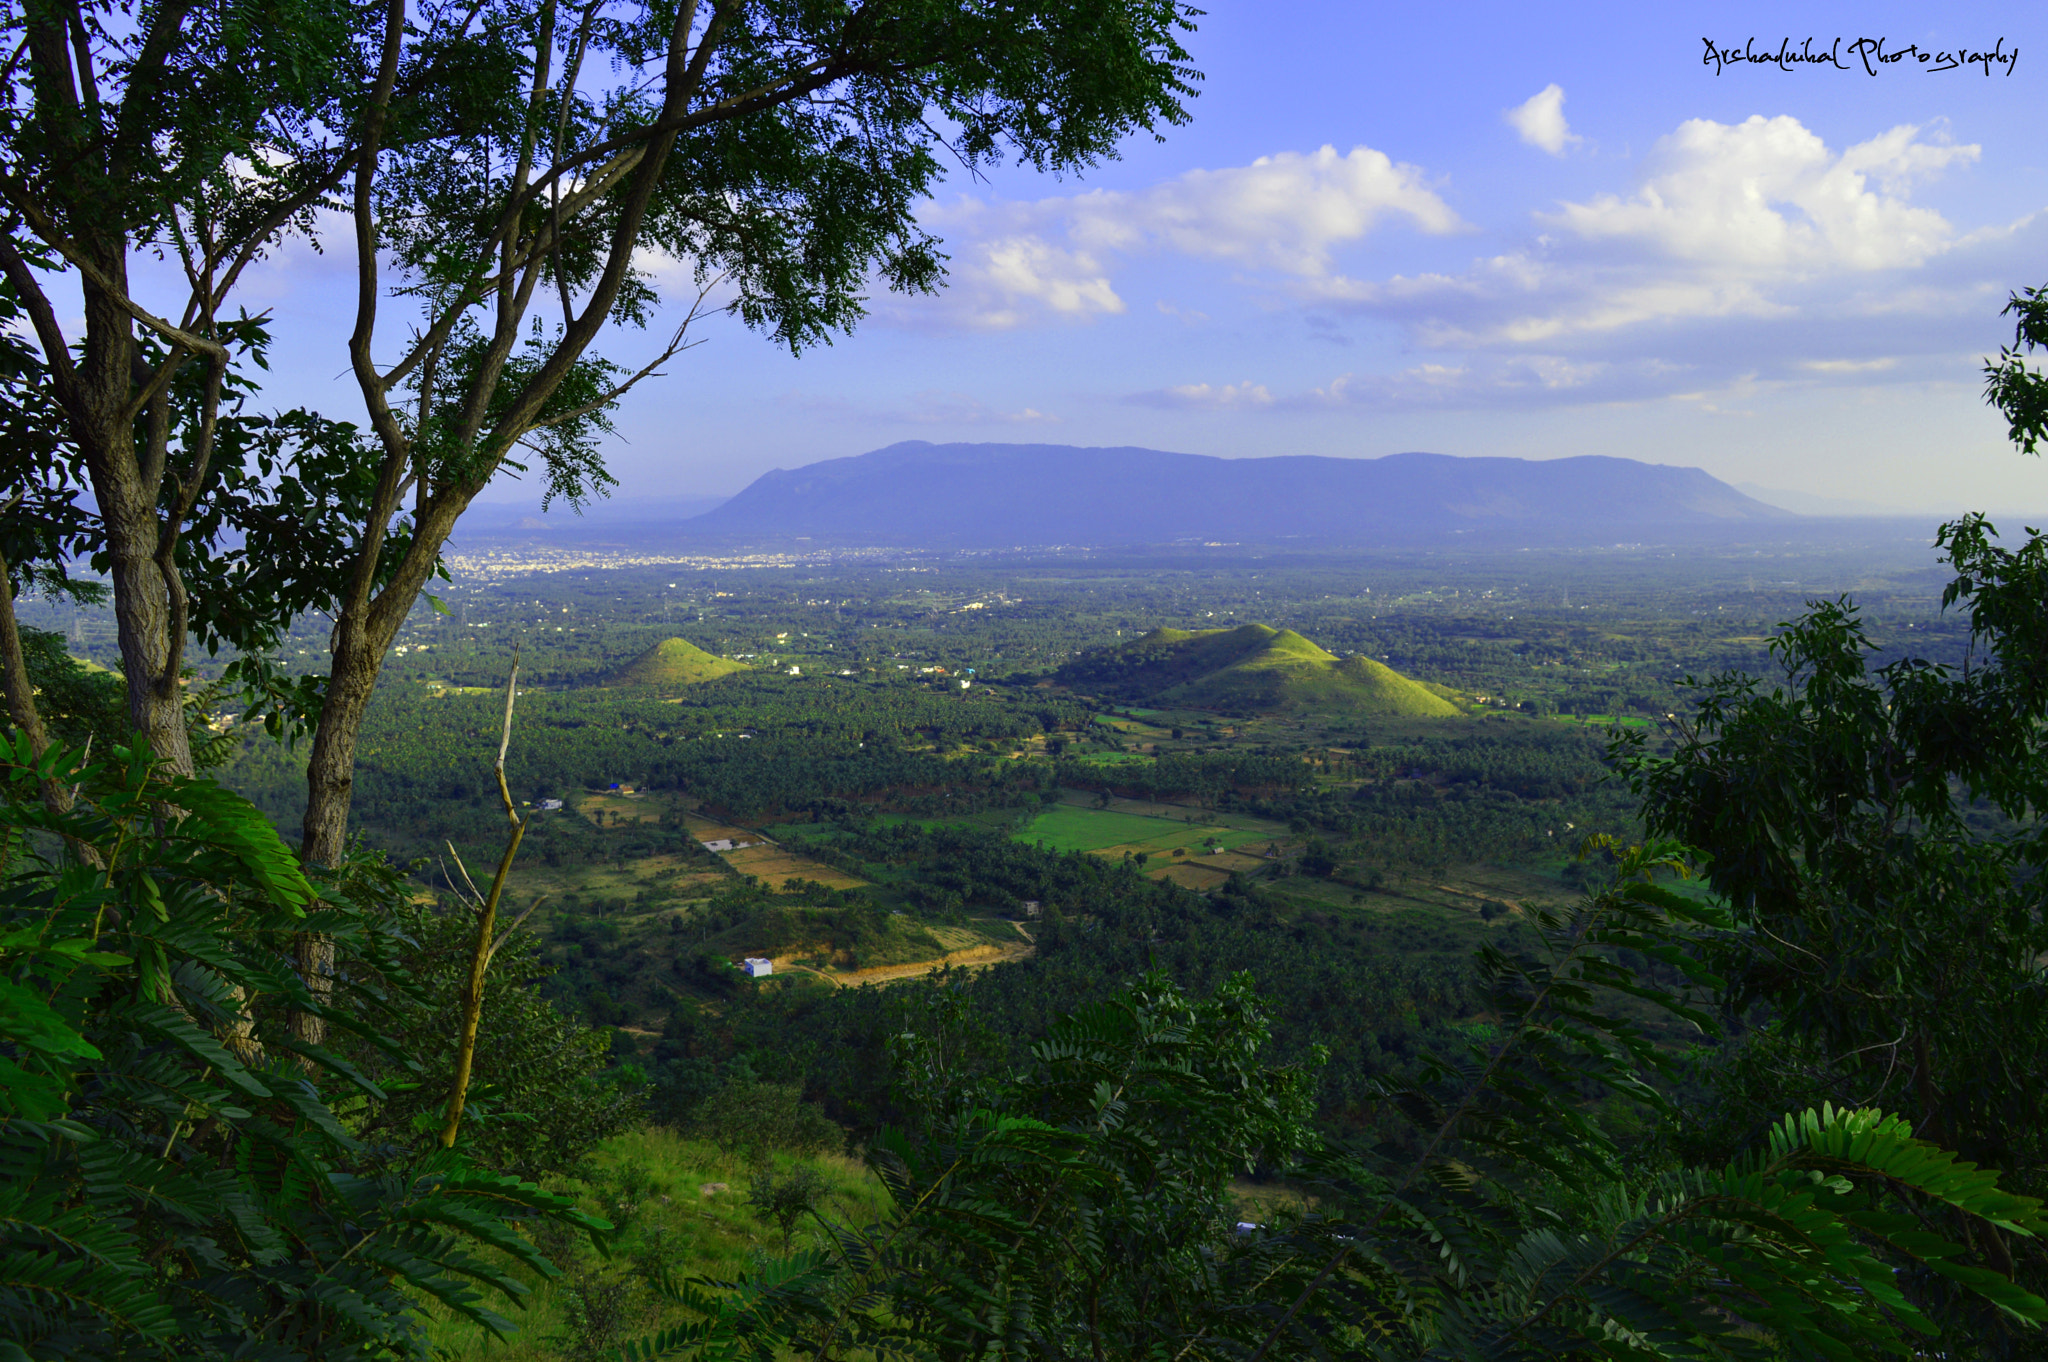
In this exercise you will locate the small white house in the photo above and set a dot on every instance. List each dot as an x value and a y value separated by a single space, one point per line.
758 966
1031 908
550 805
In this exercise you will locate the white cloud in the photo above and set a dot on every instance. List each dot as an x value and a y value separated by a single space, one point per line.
1208 397
1026 270
1289 214
1540 120
1851 366
1285 212
1753 222
1767 194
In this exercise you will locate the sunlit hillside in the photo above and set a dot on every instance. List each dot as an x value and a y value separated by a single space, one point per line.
1251 668
675 662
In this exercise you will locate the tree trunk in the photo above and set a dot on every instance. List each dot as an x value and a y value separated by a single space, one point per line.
330 765
330 781
142 614
362 637
127 490
21 693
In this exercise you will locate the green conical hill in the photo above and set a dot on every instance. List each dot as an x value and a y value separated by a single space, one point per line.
1252 667
675 662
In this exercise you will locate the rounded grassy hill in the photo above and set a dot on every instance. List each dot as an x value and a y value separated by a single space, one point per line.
675 662
1252 667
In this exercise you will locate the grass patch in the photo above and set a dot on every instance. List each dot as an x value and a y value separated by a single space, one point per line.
650 1183
1070 827
1603 720
1111 758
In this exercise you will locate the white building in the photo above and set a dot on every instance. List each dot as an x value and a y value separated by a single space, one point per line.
757 966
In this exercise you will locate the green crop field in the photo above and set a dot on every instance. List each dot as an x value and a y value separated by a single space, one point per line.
1073 828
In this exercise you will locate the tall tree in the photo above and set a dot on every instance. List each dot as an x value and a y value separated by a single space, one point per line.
775 149
178 131
499 162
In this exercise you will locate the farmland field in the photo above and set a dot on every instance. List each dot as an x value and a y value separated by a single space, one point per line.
1113 831
623 808
616 887
775 865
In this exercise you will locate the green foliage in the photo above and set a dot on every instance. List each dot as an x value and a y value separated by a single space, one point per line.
272 541
76 702
172 1181
1082 1199
783 1199
543 1092
755 1119
1078 1205
80 704
1878 915
813 743
2019 392
1375 990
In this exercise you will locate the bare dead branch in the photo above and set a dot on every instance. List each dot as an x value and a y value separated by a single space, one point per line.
486 946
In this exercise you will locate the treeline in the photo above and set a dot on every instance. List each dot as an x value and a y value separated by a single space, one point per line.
1206 776
745 746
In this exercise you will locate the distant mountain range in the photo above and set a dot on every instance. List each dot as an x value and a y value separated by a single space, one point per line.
1253 668
1003 495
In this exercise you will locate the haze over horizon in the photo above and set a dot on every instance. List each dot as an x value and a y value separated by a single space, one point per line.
1488 231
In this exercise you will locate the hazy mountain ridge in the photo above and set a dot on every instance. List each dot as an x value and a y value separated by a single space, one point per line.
917 492
1253 668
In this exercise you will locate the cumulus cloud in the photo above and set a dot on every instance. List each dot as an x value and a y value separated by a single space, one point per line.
1540 120
1025 270
1745 255
1767 194
1286 214
1753 221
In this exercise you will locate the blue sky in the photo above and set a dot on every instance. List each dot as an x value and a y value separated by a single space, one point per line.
1471 229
